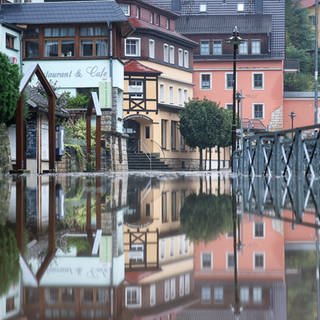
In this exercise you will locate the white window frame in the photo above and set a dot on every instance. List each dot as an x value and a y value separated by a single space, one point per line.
171 54
186 59
227 261
137 289
153 294
257 295
244 294
211 260
214 52
180 57
138 84
253 76
227 108
187 283
254 46
180 101
165 52
181 285
162 249
226 81
254 230
206 294
203 7
138 49
125 7
253 110
210 80
161 93
218 294
243 47
172 288
171 95
166 290
151 48
202 52
258 268
171 247
185 96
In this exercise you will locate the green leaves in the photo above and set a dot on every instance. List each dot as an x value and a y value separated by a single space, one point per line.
9 88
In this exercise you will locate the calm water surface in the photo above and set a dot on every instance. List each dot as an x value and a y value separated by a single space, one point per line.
158 246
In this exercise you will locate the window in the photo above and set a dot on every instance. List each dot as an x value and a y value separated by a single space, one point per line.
10 304
205 81
181 285
59 45
185 96
229 80
162 249
171 54
161 93
10 41
180 57
164 124
151 17
32 48
258 230
174 133
204 47
133 297
259 261
158 19
125 8
257 295
137 12
164 210
147 136
240 7
218 294
258 111
151 48
171 247
205 294
174 211
230 260
67 295
165 53
166 290
186 59
255 46
167 23
180 101
136 89
229 106
257 80
171 97
187 283
203 7
206 260
132 47
172 288
51 49
244 294
152 294
217 47
243 47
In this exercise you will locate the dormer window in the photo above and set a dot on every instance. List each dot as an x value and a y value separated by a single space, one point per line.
203 7
137 12
240 7
167 23
151 17
125 9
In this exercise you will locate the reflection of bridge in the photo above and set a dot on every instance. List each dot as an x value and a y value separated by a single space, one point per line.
271 196
280 153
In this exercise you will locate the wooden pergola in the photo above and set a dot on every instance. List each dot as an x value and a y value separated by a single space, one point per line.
20 125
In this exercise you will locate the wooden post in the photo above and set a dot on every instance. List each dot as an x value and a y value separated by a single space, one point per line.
20 138
98 143
52 132
88 136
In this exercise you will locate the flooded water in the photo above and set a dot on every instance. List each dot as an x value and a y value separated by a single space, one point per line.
158 246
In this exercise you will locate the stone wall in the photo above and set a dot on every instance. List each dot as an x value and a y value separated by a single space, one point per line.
5 163
276 122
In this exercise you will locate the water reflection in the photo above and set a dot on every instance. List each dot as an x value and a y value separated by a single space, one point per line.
171 246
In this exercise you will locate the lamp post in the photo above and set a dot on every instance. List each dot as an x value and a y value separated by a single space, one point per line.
292 116
235 40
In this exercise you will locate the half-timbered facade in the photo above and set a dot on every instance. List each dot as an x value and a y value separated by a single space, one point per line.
158 83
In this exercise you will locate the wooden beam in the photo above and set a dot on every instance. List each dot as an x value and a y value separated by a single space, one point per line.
98 143
52 131
20 138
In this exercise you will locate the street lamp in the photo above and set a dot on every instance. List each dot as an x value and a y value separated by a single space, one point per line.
292 116
235 40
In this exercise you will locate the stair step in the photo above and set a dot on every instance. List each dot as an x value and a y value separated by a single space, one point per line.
141 161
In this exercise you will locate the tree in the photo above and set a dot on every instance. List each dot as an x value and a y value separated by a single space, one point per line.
9 88
204 217
201 123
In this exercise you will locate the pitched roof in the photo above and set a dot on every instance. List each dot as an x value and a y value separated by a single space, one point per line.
307 3
62 12
143 25
224 24
134 66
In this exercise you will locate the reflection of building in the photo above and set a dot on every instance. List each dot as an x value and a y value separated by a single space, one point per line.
261 272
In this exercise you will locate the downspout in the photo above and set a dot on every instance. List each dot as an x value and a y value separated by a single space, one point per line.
111 70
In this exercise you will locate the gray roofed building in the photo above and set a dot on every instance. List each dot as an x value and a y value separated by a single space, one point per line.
62 12
224 24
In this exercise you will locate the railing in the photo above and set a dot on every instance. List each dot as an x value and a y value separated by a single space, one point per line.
159 146
148 156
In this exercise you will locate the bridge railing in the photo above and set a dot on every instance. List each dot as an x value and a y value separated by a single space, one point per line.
283 153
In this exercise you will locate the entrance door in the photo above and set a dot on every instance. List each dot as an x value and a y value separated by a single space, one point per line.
132 129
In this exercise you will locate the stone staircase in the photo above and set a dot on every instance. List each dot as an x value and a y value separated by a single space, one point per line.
141 161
